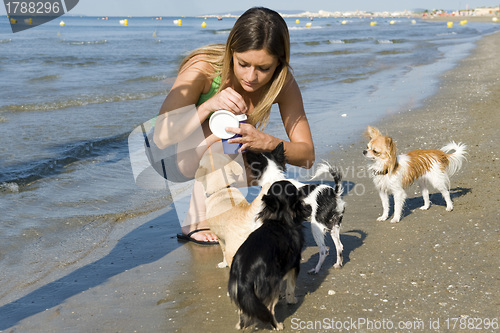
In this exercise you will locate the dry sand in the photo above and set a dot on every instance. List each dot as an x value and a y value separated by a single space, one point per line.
433 270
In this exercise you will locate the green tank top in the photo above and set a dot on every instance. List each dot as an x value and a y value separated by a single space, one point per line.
213 89
205 97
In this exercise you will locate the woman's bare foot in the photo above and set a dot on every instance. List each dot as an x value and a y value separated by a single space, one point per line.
195 227
202 235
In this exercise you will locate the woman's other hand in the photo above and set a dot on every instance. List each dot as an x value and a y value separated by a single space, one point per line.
252 139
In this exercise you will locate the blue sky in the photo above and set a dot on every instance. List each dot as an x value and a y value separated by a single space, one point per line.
197 7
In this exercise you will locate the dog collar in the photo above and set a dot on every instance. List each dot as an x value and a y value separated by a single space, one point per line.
380 173
208 195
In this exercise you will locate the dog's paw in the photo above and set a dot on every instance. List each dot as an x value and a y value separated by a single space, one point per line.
222 264
279 327
382 218
395 220
337 266
424 207
312 271
449 208
291 299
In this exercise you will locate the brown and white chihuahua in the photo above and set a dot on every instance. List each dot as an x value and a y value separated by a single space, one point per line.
392 173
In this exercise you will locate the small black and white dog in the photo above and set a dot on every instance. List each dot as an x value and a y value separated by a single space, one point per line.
325 201
269 255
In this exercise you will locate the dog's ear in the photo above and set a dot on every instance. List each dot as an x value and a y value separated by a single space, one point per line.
271 202
278 196
203 168
253 159
372 132
279 149
218 161
391 146
235 168
278 154
391 149
250 156
256 163
201 173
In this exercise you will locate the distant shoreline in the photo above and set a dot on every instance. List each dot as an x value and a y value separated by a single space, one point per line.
451 18
483 19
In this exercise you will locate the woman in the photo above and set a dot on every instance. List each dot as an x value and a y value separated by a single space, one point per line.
246 76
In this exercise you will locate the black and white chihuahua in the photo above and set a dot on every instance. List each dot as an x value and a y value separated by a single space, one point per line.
270 255
327 206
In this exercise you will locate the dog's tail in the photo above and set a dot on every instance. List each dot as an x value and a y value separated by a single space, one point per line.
333 171
456 156
243 295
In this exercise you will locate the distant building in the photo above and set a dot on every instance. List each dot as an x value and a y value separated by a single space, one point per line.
486 11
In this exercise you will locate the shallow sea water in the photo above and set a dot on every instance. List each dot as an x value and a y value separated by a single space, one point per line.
70 96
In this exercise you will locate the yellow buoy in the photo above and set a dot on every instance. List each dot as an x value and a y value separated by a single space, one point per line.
204 25
373 23
495 19
449 24
463 22
344 22
62 24
297 21
179 22
392 22
125 22
308 24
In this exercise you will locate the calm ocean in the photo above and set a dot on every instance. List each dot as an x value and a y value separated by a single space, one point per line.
70 96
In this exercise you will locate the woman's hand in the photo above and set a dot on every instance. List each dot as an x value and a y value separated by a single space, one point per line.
228 99
253 139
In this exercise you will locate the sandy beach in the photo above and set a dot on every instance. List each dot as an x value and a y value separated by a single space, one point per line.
435 271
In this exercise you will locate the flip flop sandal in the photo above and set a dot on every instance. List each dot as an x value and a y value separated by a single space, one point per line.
188 238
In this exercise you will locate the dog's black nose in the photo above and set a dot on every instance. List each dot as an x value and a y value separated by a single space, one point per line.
364 152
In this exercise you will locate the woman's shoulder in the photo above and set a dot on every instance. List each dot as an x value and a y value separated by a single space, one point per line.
198 71
198 63
204 58
289 87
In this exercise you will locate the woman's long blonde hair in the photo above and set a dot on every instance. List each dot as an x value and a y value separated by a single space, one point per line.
257 29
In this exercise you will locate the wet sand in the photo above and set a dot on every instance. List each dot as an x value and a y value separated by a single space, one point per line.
432 267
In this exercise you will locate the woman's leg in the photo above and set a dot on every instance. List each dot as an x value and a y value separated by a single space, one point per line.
196 216
188 164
